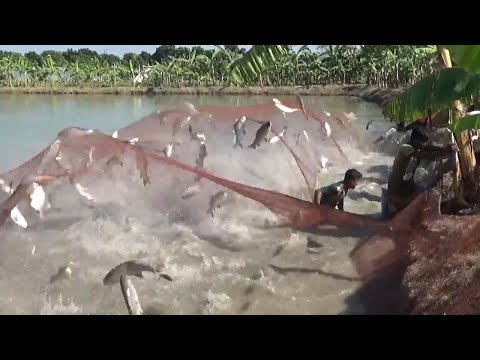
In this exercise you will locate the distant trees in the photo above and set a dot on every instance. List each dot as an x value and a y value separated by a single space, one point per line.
263 65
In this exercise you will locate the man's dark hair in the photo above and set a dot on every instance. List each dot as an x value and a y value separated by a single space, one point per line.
352 174
419 136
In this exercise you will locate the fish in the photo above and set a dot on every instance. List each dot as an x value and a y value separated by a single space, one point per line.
239 131
168 150
63 273
202 154
191 191
216 201
7 188
387 135
133 141
131 267
83 191
38 199
130 296
283 108
90 156
323 162
184 122
328 129
18 218
115 134
326 113
275 138
192 110
196 136
261 134
23 192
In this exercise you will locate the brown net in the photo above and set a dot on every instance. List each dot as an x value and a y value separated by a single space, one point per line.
308 136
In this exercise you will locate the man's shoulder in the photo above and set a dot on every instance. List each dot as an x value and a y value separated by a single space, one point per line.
332 188
406 149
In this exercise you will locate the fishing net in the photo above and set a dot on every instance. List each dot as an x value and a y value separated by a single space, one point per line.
163 152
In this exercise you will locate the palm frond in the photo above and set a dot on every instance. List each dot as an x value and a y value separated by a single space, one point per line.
434 92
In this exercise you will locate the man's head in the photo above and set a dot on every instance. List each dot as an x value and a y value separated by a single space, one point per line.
418 138
352 176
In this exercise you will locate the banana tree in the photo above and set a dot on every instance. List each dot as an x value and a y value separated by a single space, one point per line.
447 88
250 66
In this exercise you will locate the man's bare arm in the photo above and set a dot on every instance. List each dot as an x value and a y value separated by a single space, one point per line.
317 196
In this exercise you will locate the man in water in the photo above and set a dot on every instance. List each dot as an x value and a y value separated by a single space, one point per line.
402 188
334 194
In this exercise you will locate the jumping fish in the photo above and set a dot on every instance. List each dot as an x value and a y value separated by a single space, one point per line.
216 201
283 108
275 138
63 273
168 150
202 154
239 131
131 267
83 192
130 296
196 136
191 190
261 134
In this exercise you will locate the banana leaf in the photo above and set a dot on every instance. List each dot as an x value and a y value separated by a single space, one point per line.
434 92
468 122
256 60
466 56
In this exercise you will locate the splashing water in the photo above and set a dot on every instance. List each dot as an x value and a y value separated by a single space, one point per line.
220 265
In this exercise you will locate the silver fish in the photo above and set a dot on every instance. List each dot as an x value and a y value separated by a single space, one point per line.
216 201
202 154
196 136
239 131
90 156
261 134
63 273
191 190
130 296
131 267
168 150
275 138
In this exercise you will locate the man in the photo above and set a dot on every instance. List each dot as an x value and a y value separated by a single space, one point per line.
402 188
418 124
334 194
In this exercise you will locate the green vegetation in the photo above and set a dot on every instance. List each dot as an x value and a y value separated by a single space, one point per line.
263 65
449 88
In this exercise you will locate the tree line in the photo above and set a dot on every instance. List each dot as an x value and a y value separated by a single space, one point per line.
172 66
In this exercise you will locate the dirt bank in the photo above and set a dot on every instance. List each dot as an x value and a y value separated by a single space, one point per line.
366 92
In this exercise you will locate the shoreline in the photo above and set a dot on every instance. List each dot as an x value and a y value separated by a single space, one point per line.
367 93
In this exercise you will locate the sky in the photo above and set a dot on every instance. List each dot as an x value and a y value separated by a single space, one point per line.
118 50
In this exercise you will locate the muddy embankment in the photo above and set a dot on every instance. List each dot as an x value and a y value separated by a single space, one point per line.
365 92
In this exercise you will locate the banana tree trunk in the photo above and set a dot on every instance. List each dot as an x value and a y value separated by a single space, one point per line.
463 179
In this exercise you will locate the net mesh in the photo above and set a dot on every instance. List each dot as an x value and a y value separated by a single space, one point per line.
164 154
